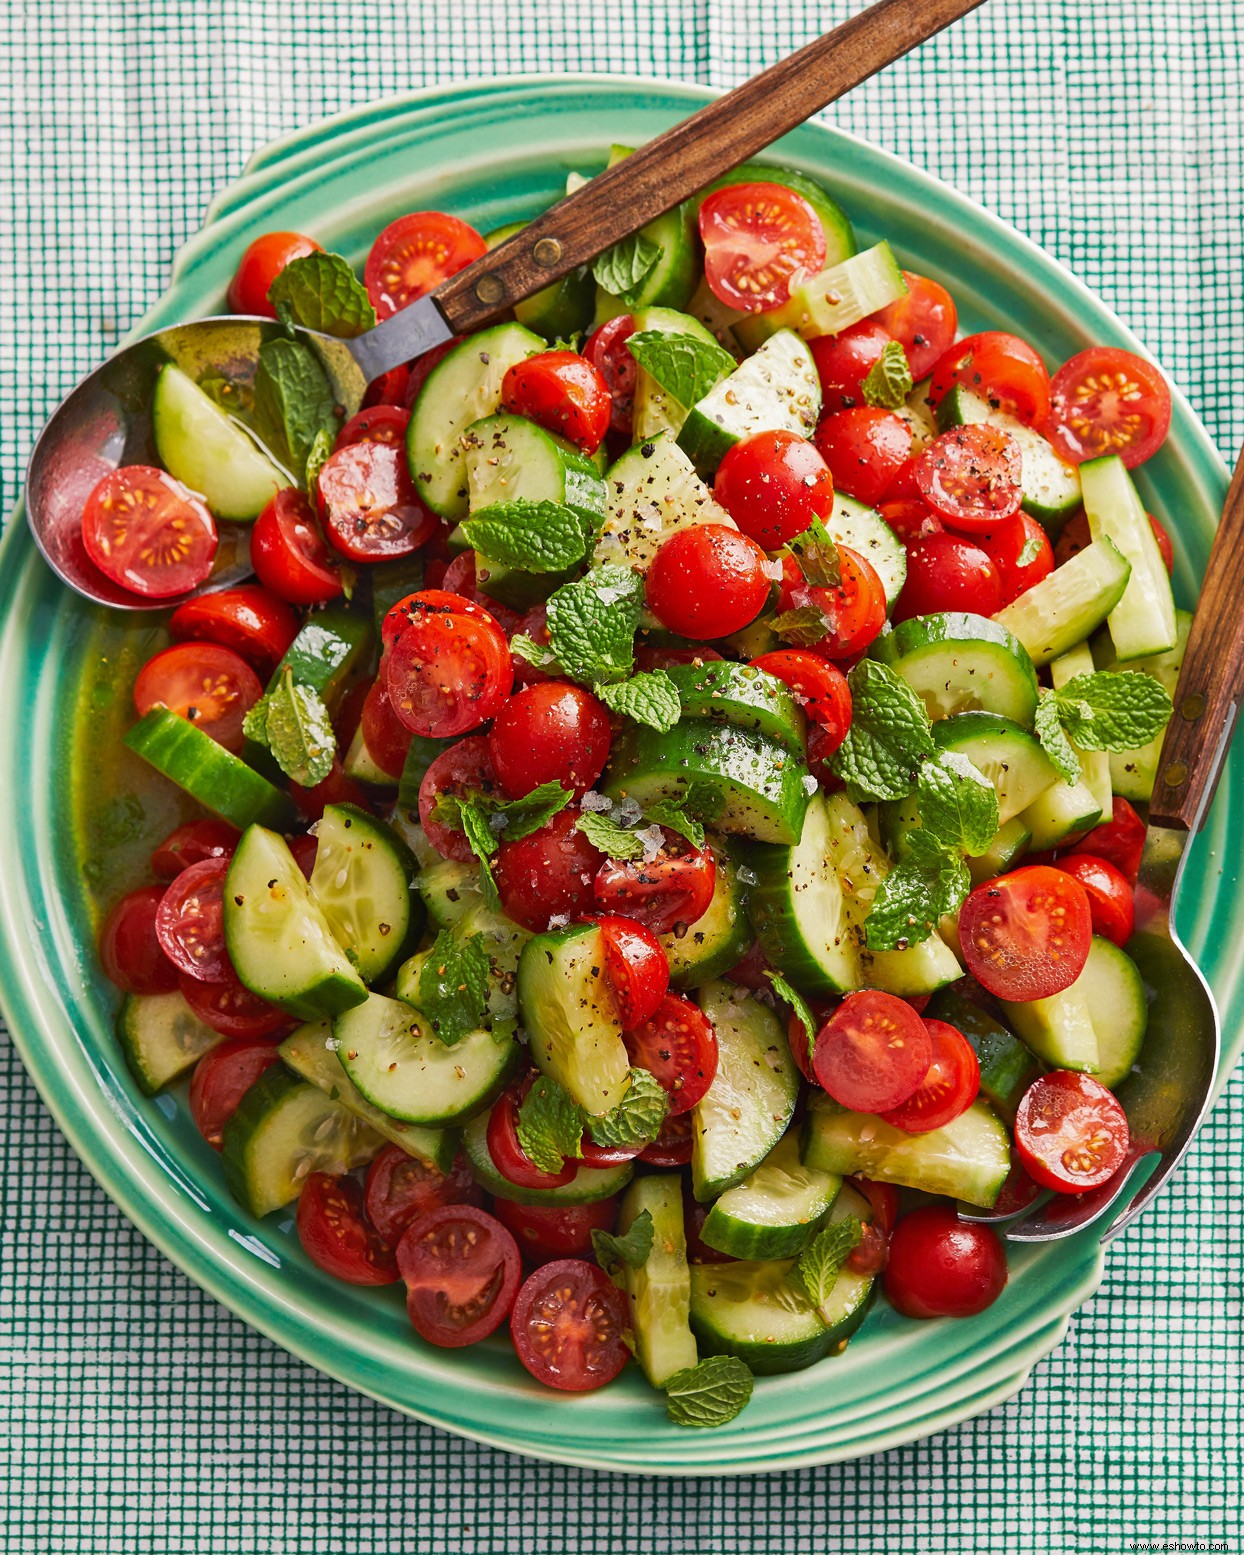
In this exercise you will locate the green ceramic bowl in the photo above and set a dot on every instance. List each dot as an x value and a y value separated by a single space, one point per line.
493 151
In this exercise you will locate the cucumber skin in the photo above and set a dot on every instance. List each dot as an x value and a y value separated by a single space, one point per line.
128 1017
959 630
209 773
761 1357
582 1190
1008 1068
721 691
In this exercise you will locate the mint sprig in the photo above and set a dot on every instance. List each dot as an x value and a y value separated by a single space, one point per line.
592 624
888 381
957 802
321 291
317 458
637 1118
453 986
889 737
1048 728
799 1007
649 698
623 269
709 1394
678 816
685 366
929 881
293 723
539 537
550 1125
294 401
821 1262
1113 710
631 1249
817 555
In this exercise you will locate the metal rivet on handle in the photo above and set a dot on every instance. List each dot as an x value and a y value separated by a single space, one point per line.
547 252
1192 706
490 288
1175 774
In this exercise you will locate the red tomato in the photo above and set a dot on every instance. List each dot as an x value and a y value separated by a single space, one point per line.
1071 1132
431 602
672 1146
757 237
873 1052
368 503
305 849
390 388
911 518
147 533
753 970
554 732
679 1046
129 949
818 751
923 322
191 844
1026 935
401 1187
190 921
844 360
232 1009
508 1155
707 581
663 658
773 485
461 1268
547 1231
972 476
1017 1192
872 1252
1021 553
853 610
464 766
637 968
610 355
414 254
548 874
998 367
564 392
1108 401
568 1326
1109 894
865 448
461 578
950 1087
676 886
384 734
222 1077
883 1200
288 552
336 1234
208 686
448 672
820 688
941 1266
1120 840
946 572
260 265
383 423
248 620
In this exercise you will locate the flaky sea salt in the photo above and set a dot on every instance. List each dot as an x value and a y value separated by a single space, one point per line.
653 839
595 802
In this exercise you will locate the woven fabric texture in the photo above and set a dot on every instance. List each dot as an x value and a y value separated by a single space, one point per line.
138 1416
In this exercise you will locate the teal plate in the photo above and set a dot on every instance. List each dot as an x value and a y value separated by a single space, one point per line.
493 151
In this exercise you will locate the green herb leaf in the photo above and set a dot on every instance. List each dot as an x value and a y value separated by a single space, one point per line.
817 556
534 653
1054 742
631 1249
675 814
550 1125
649 698
614 841
321 449
799 1005
293 723
821 1261
592 624
1028 552
709 1394
623 269
927 882
1116 710
889 735
531 536
685 366
637 1118
321 291
889 380
294 401
453 986
958 804
521 817
488 886
803 626
486 820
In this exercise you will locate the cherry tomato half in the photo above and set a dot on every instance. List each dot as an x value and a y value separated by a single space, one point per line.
390 389
222 1077
1120 840
147 533
999 368
707 581
129 948
865 449
230 1008
757 237
401 1187
872 1252
679 1046
414 254
368 503
948 572
610 355
637 968
672 1146
1071 1132
1020 551
383 423
549 874
676 886
191 843
208 686
844 360
820 688
249 621
461 1268
547 1231
941 1266
260 265
288 552
1108 401
507 1153
564 393
551 733
190 921
972 476
873 1052
336 1234
950 1087
1110 896
462 767
923 322
853 610
384 734
568 1326
1026 935
911 518
449 671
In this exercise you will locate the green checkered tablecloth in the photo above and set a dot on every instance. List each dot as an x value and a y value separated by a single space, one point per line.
136 1415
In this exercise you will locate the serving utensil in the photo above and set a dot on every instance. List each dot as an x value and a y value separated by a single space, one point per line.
105 421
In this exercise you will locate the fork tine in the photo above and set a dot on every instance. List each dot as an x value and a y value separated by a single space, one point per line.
1066 1214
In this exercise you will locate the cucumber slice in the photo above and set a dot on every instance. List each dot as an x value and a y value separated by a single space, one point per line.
588 1186
1007 1066
1010 843
757 788
503 941
309 1054
776 389
561 310
204 448
361 765
285 1129
959 663
707 309
1058 1029
774 1212
1132 772
839 236
462 388
570 1016
659 1292
920 417
333 648
1070 604
671 281
277 935
1064 810
1010 757
1142 622
752 1098
653 490
967 1159
1094 765
161 1038
217 778
1051 486
449 890
362 881
1119 1010
864 531
716 941
655 409
841 295
740 695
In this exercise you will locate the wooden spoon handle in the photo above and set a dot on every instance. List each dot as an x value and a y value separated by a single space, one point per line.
677 164
1208 694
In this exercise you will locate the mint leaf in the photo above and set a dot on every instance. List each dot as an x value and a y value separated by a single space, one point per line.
926 883
631 1249
321 291
799 1005
293 723
674 814
453 986
637 1118
470 813
521 817
803 626
592 624
531 536
534 652
889 735
889 380
294 401
685 366
821 1261
485 819
550 1125
1028 552
623 269
649 698
709 1394
1116 710
321 449
817 556
614 841
958 804
1049 730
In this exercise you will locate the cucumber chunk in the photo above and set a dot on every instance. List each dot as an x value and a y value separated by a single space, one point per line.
362 881
1010 843
718 939
449 890
1051 486
967 1159
1118 1007
655 409
503 941
278 938
841 295
776 389
960 663
1007 1066
652 491
1070 603
588 1186
571 1017
218 779
332 649
162 1038
1010 757
204 448
1065 810
740 695
1142 621
659 1292
1132 772
774 1212
1094 765
752 1098
839 236
866 533
361 765
1059 1029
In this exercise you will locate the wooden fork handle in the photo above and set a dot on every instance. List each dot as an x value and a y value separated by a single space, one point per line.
1208 694
675 165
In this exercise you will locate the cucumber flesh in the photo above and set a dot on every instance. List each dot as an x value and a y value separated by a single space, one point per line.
743 696
206 450
162 1038
775 389
1051 486
652 491
218 779
361 765
1010 843
865 532
826 304
1008 1068
1064 811
1010 757
571 1017
776 1210
1059 1029
718 939
1094 765
449 890
362 882
1070 603
656 410
659 1292
961 663
1119 1009
588 1186
332 649
1142 622
502 941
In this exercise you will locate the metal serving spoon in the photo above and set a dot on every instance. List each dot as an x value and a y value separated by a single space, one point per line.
105 421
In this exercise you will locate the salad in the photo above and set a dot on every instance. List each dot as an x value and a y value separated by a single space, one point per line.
665 806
